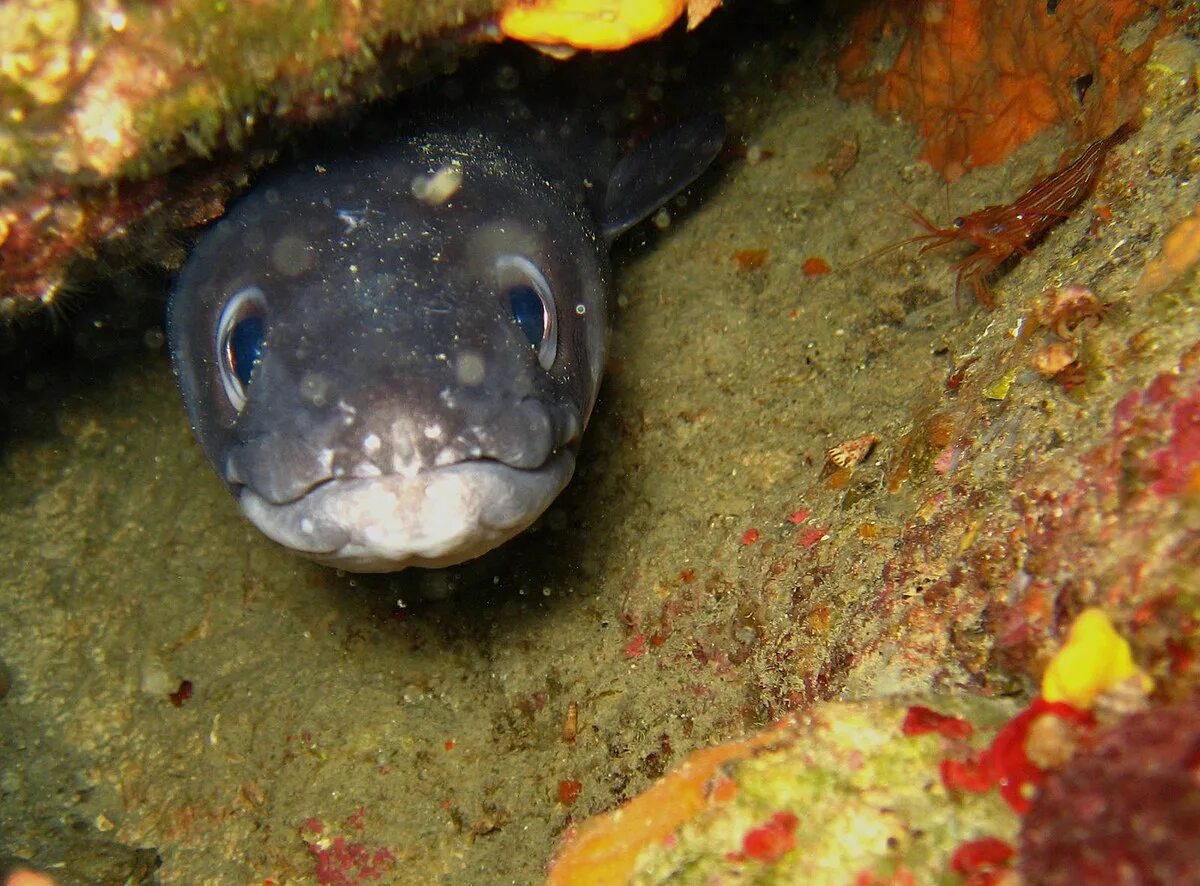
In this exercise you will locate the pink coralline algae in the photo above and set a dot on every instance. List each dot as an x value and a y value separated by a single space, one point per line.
1178 463
342 862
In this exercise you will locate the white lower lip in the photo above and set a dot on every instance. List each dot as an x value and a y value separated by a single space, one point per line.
435 518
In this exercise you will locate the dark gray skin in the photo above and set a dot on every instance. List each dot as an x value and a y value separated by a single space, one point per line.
390 410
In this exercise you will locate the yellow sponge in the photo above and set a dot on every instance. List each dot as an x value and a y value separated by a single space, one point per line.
589 24
1094 659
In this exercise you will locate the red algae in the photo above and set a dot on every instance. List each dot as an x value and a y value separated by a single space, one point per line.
182 694
815 266
1004 764
1178 463
812 536
981 861
921 720
771 841
636 646
569 790
343 862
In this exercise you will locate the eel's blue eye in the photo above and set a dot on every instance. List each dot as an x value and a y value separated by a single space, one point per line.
245 346
241 334
528 311
529 299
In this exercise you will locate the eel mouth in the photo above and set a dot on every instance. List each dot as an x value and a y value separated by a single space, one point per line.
433 518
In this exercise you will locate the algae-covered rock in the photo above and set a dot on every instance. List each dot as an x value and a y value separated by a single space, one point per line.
847 789
101 99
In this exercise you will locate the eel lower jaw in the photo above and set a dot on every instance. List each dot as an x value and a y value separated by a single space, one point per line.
436 517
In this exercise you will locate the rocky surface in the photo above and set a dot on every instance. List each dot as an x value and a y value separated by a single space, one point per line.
736 548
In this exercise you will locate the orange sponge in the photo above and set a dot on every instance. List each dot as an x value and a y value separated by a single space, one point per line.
980 78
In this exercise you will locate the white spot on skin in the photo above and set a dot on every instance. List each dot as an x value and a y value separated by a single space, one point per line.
470 368
314 387
291 255
371 444
440 185
432 432
306 526
447 456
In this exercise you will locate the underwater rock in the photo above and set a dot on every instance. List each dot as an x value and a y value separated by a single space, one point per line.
862 779
102 100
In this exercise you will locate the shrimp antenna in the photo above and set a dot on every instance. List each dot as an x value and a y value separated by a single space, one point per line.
932 238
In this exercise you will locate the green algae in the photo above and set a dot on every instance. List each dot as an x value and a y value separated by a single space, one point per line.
197 66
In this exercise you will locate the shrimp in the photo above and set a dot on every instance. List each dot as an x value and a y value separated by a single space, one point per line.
1001 232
